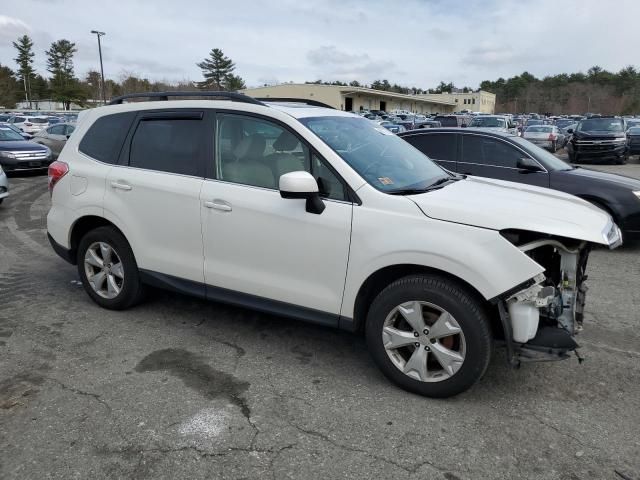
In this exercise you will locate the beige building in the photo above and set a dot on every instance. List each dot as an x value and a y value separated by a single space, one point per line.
356 98
483 102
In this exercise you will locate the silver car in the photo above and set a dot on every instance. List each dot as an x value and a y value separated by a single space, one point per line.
4 185
545 136
494 122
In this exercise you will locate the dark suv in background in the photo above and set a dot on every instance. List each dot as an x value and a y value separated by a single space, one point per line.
599 139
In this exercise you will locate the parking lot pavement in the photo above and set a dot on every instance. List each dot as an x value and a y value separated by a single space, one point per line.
180 388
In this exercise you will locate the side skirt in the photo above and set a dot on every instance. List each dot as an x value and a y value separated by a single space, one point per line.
254 302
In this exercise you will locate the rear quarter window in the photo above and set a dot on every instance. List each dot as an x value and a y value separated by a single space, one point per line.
103 141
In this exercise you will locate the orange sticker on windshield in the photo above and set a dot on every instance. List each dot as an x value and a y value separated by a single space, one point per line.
385 180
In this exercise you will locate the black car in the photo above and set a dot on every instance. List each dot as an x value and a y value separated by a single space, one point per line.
508 157
599 139
16 153
633 135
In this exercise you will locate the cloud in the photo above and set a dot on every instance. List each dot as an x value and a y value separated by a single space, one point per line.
11 28
340 65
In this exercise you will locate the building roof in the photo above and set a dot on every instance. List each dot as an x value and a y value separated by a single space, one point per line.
346 90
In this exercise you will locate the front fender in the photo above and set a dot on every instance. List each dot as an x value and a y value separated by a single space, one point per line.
480 257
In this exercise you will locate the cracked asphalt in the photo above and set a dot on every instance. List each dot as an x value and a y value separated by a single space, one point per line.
181 388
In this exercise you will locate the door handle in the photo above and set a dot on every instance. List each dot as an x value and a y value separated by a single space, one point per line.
218 205
120 186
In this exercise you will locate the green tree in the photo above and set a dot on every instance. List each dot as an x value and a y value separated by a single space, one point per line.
24 46
65 87
217 70
9 88
233 83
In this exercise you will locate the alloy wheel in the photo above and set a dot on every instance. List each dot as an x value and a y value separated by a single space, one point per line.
104 270
424 341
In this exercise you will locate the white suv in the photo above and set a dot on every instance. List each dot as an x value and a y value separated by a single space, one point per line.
316 214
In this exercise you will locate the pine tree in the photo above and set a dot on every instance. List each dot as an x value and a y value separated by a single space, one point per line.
217 71
65 87
24 45
233 83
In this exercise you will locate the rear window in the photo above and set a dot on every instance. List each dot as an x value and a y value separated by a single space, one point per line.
539 129
105 137
38 120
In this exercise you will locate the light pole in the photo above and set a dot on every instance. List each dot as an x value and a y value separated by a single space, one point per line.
104 94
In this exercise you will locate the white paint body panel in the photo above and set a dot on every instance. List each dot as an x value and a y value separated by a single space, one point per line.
160 216
500 205
271 247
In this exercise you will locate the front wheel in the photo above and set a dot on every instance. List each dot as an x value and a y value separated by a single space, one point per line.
429 335
108 269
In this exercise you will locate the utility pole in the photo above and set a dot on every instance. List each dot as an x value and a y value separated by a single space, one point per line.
104 93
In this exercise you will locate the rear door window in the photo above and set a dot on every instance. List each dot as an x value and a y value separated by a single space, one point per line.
172 145
105 137
489 151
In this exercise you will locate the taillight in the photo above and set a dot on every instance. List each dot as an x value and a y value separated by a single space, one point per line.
552 137
57 170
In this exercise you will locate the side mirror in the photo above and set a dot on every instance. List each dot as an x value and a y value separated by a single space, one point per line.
68 137
569 130
302 185
528 165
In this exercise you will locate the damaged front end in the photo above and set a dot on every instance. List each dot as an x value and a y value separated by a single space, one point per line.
541 318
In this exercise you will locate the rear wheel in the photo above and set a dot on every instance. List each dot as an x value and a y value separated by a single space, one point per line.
108 269
429 336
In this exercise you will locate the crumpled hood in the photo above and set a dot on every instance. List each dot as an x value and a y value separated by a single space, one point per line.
500 205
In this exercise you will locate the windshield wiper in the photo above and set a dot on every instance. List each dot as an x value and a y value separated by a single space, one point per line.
434 186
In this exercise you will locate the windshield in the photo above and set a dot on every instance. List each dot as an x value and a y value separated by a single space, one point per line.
6 134
600 125
488 122
548 160
384 160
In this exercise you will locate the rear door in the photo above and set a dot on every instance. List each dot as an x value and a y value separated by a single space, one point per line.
154 192
441 147
493 157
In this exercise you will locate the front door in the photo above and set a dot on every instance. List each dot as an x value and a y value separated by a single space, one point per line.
488 156
267 249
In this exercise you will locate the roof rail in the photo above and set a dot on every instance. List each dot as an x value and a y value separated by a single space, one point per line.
233 96
313 103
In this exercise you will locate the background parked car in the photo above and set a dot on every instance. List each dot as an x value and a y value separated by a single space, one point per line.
453 120
16 153
494 122
26 136
633 134
29 124
4 185
545 136
599 139
55 137
508 157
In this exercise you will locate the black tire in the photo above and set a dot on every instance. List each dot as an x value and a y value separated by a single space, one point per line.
455 299
132 289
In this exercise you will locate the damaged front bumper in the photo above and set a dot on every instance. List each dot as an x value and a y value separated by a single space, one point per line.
541 319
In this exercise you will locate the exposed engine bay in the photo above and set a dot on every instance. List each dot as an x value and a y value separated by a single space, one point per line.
545 316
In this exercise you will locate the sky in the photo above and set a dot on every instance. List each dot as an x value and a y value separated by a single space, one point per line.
409 42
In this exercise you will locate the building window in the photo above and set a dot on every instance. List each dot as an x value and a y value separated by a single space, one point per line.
474 101
456 100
